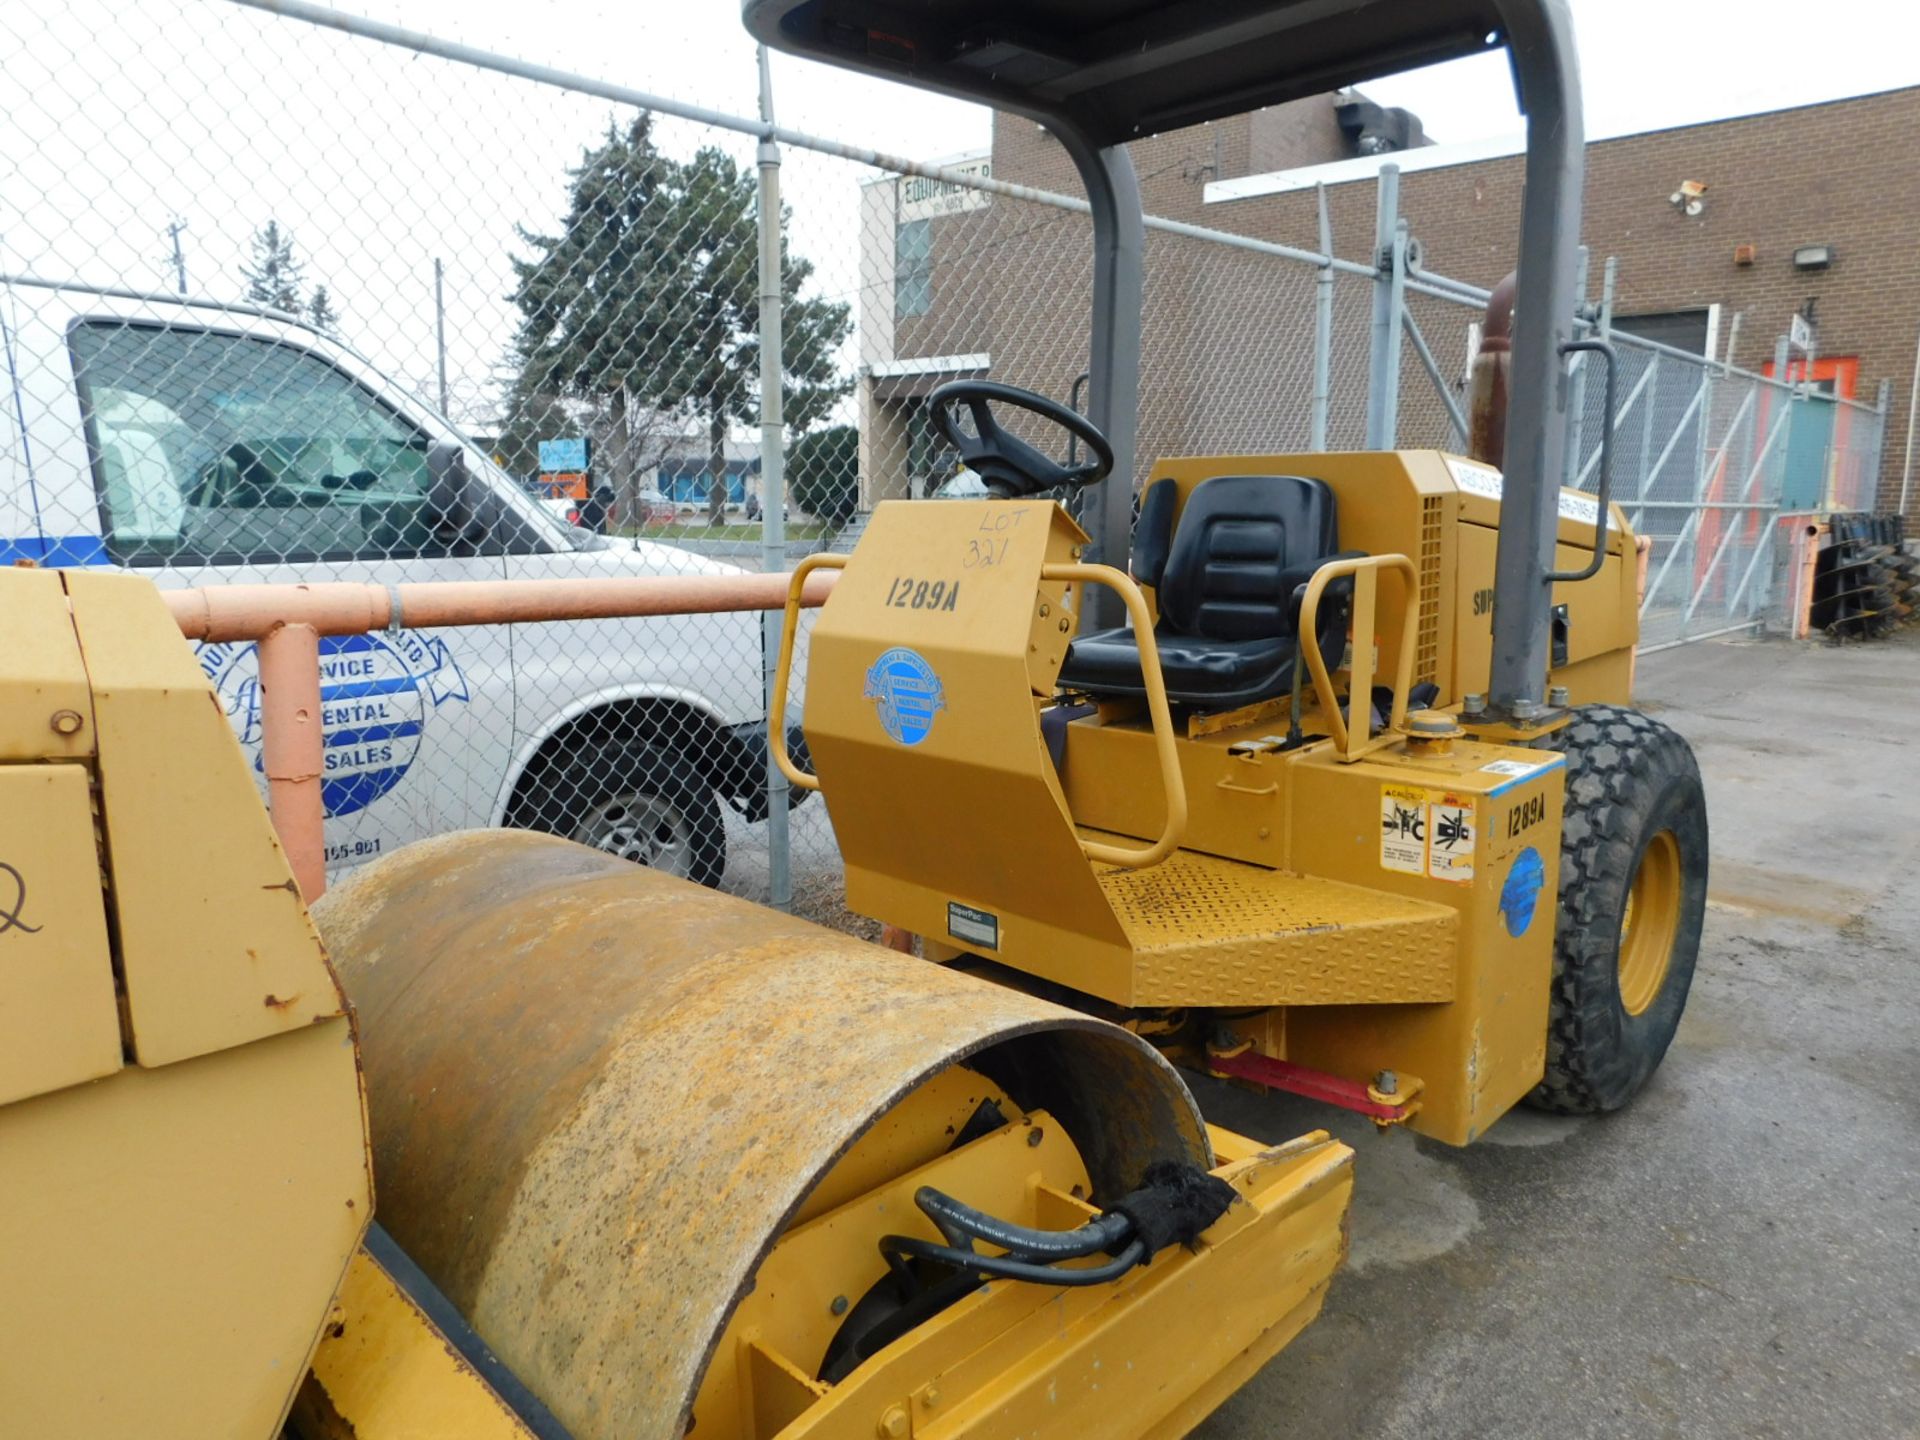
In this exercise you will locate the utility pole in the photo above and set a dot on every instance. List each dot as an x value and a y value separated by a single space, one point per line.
174 227
773 490
440 326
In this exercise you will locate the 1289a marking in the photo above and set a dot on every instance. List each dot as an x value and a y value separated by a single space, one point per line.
1526 815
907 593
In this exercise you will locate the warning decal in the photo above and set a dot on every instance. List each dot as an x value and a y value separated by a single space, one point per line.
1403 829
1488 484
1428 832
1451 837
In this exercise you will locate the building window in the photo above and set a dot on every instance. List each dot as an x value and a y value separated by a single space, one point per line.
912 268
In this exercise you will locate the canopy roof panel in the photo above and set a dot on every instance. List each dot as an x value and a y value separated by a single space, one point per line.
1113 70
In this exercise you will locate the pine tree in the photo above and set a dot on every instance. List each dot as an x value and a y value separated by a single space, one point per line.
716 373
592 296
320 312
274 277
648 300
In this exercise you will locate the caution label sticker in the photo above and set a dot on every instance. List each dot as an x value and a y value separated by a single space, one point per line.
1433 833
1403 829
1452 836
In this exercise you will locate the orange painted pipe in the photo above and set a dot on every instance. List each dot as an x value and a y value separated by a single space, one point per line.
288 621
293 749
246 612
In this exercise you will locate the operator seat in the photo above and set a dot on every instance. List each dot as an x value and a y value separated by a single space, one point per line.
1229 583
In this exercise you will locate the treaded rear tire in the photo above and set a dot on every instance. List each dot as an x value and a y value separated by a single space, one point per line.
1629 779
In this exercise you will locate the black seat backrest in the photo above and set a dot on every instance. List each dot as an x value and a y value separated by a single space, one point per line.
1153 532
1239 537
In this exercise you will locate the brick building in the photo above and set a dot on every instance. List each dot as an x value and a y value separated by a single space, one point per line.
957 282
1002 287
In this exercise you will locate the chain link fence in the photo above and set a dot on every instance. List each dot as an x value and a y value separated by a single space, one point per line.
1722 470
290 304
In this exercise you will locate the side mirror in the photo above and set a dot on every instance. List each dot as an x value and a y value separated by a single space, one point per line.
450 493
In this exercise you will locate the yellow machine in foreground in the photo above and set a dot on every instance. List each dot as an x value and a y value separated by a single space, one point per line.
650 1160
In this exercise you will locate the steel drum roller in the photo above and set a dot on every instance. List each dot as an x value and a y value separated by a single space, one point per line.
599 1095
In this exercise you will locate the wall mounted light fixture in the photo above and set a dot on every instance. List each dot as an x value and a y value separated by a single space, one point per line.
1690 198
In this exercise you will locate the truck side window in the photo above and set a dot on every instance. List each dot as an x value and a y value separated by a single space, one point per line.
229 448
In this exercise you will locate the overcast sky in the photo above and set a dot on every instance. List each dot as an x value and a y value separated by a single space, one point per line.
119 114
1646 64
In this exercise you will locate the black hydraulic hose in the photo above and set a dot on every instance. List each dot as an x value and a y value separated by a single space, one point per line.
1175 1202
1005 1267
956 1219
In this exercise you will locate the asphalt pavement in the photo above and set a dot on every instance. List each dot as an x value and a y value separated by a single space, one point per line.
1737 1253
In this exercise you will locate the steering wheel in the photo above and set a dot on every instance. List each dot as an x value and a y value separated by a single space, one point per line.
240 478
1006 464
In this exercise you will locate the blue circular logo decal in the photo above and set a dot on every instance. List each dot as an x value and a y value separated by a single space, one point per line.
378 693
902 684
1520 896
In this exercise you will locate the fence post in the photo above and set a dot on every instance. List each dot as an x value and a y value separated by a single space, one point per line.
1322 330
1870 475
1577 378
1646 436
1609 287
1702 480
1389 295
773 488
1906 462
440 329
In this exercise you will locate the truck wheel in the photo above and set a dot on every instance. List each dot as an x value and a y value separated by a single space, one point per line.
1633 894
643 804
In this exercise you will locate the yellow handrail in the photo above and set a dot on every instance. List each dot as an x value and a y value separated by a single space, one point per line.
1171 780
1352 735
789 628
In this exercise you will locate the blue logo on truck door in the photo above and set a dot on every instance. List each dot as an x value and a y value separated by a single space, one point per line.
377 693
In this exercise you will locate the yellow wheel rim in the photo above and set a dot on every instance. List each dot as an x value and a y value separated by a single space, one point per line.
1651 921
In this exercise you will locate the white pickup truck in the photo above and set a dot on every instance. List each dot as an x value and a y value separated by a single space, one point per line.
202 443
